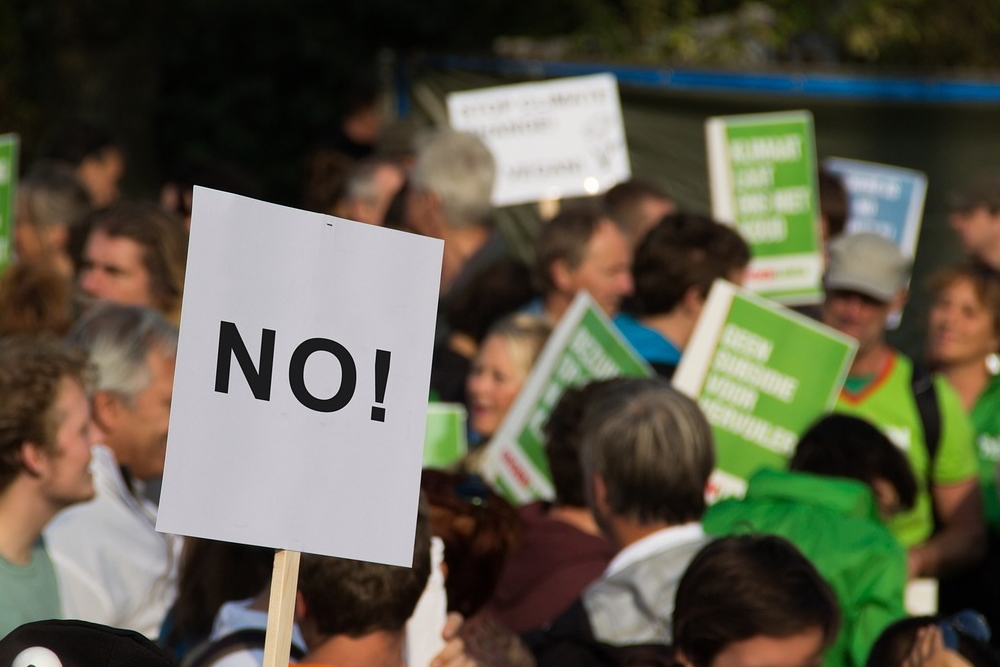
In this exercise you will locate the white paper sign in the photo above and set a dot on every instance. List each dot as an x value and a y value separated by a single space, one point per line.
553 139
300 395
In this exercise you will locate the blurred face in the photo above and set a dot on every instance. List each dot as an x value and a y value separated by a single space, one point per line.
856 315
65 468
977 229
113 270
493 384
605 270
801 650
653 210
100 175
960 326
137 430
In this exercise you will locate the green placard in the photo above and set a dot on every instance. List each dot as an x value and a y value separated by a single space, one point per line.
762 171
445 440
585 346
762 374
8 189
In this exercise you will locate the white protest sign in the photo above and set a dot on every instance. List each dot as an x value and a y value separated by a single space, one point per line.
300 394
552 139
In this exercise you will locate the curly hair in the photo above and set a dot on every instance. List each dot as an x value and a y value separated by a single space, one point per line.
31 373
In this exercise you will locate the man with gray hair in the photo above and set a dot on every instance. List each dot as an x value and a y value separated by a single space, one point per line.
647 455
113 567
371 186
449 198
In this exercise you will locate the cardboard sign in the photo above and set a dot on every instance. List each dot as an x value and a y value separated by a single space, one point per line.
554 139
885 200
762 172
584 346
300 394
446 440
8 190
762 374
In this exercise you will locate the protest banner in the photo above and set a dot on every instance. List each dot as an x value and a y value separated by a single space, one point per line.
551 139
584 346
762 173
446 440
9 144
300 392
885 200
302 373
762 374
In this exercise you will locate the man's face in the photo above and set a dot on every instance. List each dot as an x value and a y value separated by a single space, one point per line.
137 430
857 315
605 270
977 229
65 467
113 270
100 174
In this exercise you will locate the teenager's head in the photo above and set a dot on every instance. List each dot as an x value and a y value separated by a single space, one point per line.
845 446
354 598
45 418
747 601
680 258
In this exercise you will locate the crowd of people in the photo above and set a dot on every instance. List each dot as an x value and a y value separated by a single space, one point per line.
627 564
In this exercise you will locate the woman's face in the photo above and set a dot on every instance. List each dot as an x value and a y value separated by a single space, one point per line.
960 328
493 384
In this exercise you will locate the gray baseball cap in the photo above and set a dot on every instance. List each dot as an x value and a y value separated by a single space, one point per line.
868 264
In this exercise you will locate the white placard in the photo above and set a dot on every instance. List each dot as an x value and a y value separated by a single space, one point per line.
288 452
553 139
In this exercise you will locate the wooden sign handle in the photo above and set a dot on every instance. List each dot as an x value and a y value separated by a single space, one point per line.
281 608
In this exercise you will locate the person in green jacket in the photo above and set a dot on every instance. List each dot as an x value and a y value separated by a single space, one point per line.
845 478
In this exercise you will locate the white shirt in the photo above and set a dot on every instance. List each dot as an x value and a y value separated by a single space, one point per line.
112 565
661 540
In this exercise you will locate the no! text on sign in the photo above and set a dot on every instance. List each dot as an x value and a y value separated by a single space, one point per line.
300 394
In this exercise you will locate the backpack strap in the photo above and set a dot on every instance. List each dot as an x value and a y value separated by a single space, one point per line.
925 395
210 651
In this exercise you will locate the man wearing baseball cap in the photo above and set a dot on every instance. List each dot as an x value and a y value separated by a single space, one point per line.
865 281
975 217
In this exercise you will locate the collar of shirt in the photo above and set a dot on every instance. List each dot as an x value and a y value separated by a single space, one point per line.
654 543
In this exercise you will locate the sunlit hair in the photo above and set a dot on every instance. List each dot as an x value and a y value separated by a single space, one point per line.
654 449
118 339
35 298
460 170
51 195
524 336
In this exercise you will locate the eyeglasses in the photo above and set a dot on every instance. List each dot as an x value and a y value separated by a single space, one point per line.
967 622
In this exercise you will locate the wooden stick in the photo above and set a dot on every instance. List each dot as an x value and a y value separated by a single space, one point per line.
281 609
